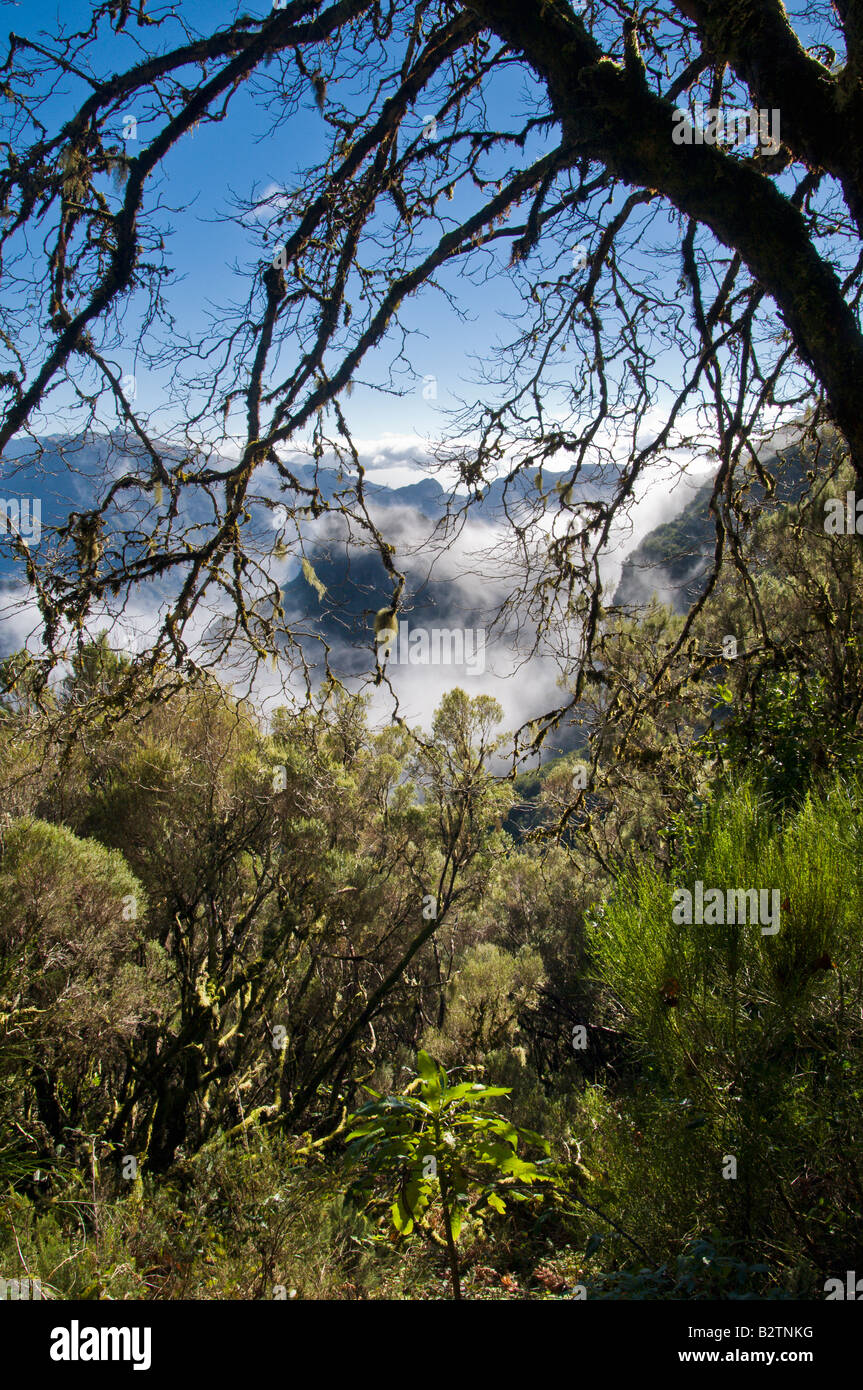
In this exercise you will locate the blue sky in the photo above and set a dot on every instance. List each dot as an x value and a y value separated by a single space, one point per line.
236 157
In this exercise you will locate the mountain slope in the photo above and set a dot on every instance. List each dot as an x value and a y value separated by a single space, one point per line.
673 560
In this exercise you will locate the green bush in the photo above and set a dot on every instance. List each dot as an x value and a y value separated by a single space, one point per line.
751 1045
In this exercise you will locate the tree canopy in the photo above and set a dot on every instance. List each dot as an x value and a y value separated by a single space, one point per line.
718 277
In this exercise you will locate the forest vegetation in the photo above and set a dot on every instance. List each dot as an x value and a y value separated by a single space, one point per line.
222 938
302 997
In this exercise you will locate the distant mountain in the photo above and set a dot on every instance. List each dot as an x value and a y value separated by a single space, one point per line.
673 561
439 591
66 474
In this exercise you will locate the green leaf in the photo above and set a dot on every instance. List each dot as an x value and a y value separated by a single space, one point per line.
536 1139
496 1151
427 1069
457 1092
402 1219
519 1169
417 1195
370 1127
402 1105
496 1202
